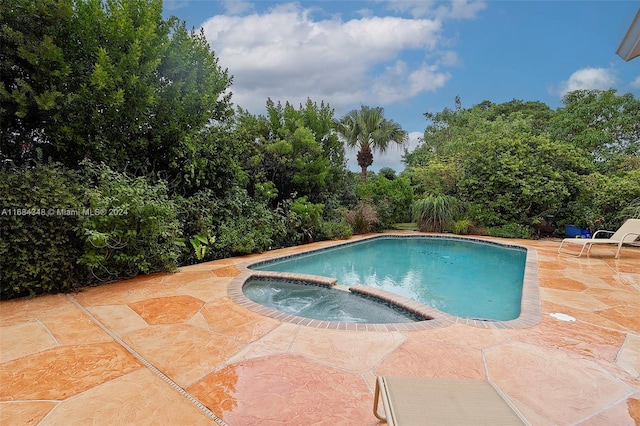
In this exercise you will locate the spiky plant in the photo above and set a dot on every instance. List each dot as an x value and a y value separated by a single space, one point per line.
435 212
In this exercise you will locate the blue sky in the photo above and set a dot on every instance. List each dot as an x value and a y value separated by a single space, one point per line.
410 57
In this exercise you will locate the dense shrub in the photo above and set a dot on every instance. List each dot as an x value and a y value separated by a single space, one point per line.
462 226
198 217
244 225
38 219
511 230
363 219
434 178
309 218
608 197
392 198
335 229
131 227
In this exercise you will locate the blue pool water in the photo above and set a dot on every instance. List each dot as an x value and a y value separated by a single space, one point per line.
466 278
322 302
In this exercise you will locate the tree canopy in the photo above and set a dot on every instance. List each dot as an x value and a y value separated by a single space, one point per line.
518 161
106 80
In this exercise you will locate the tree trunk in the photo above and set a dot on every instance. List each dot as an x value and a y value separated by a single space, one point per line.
365 159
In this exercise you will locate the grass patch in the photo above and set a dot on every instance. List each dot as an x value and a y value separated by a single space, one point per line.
409 226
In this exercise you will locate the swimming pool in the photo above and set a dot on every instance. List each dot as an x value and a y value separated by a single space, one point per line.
462 277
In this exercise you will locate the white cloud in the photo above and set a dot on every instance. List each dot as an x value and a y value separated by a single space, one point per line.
286 55
237 7
399 82
588 79
455 9
448 58
464 9
636 83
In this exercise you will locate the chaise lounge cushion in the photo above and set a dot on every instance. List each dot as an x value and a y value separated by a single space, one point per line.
419 401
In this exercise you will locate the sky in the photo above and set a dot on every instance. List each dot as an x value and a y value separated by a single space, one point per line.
411 57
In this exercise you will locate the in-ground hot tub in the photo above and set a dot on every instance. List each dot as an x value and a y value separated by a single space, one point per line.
321 302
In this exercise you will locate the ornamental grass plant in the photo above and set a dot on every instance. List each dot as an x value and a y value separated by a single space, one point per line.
435 213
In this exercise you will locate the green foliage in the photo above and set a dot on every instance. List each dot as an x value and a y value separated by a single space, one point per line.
131 228
388 173
632 210
210 160
392 198
38 219
294 150
335 229
200 244
604 124
511 230
33 73
108 80
244 225
499 160
197 216
434 178
462 226
309 217
435 213
507 178
603 196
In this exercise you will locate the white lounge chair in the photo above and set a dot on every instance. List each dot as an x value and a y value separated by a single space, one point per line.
464 402
627 233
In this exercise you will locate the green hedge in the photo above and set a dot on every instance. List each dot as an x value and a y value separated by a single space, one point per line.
39 216
130 226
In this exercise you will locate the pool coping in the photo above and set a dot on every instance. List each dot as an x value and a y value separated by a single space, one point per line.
530 307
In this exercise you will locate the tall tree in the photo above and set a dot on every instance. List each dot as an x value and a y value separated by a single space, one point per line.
292 151
604 124
110 80
368 130
33 73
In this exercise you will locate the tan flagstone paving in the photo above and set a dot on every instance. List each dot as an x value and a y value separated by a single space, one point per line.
176 349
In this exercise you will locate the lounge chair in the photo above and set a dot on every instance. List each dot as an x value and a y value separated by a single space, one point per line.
418 401
627 233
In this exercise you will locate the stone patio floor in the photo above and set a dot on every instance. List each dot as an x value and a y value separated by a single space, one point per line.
174 349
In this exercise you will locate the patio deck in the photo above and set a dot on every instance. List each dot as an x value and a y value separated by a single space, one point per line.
176 349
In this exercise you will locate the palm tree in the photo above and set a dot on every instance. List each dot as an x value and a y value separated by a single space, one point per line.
368 130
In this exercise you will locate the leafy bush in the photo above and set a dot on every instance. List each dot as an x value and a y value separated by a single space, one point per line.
362 219
131 228
335 230
511 230
197 216
309 217
435 213
602 196
38 219
391 198
244 225
434 178
632 211
462 226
